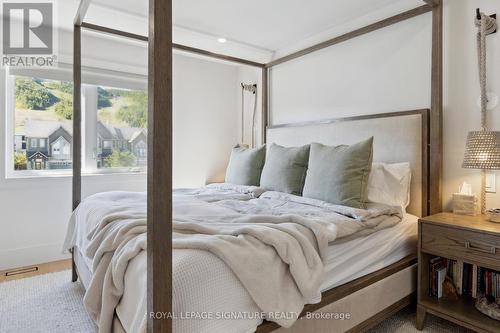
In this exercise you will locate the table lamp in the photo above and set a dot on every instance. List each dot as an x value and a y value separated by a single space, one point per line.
482 151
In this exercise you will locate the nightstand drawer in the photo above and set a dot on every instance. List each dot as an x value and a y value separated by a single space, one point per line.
481 248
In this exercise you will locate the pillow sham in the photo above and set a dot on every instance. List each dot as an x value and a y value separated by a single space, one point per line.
285 169
339 174
245 165
390 184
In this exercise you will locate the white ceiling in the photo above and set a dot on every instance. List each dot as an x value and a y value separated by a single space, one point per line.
271 24
264 25
136 7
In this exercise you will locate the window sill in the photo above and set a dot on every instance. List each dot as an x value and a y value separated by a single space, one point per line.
45 174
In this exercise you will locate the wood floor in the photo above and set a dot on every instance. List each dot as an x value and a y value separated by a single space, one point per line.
33 270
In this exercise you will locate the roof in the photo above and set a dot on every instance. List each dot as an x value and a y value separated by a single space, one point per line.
44 128
130 133
120 133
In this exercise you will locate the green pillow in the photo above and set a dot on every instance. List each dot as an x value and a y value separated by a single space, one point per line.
339 175
245 165
285 169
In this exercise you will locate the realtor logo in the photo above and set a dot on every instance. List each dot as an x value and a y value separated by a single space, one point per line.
28 33
27 28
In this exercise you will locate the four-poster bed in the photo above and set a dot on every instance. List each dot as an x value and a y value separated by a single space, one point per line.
159 230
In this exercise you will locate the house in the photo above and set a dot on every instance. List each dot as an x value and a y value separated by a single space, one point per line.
19 143
48 144
131 139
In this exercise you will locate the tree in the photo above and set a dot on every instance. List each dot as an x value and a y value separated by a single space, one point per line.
103 98
120 159
33 95
65 108
136 113
65 87
20 161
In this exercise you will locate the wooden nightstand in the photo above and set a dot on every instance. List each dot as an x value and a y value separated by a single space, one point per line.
471 239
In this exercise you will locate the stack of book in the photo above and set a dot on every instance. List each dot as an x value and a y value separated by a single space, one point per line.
489 282
468 279
438 268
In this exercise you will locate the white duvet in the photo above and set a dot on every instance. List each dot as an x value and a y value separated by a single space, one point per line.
272 244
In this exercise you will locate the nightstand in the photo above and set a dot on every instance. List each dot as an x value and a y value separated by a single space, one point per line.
469 239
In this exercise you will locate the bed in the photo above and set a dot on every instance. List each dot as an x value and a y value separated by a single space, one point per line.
370 254
381 281
427 162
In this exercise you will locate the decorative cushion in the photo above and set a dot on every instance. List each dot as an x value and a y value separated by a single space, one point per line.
285 169
390 184
245 165
339 174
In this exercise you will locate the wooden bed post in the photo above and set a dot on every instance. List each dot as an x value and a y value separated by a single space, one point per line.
77 103
159 234
77 117
436 148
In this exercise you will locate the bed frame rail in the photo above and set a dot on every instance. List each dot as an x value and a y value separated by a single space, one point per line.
337 293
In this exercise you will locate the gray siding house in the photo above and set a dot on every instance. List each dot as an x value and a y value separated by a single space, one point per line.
48 144
130 139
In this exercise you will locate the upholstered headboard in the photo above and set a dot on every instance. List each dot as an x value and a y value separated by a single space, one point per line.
398 137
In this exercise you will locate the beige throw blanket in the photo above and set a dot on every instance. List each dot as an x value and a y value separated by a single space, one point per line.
272 244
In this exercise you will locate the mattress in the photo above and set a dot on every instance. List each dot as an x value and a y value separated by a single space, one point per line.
221 293
347 261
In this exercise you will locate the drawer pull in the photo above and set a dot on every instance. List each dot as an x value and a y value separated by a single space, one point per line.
492 249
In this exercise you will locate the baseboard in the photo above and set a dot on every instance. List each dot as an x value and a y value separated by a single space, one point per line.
33 270
31 256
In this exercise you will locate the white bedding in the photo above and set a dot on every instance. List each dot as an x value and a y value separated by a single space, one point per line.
200 276
344 262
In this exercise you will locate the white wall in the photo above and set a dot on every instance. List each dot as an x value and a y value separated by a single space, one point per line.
34 212
205 119
461 90
387 70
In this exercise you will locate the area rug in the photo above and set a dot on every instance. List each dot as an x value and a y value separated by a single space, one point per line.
404 322
51 303
48 303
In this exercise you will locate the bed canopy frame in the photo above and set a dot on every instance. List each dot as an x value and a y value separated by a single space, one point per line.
159 168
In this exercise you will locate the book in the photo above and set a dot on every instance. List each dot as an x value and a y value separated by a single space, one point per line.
441 276
469 280
434 265
460 271
474 280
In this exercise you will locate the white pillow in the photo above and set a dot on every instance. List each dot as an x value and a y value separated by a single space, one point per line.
390 184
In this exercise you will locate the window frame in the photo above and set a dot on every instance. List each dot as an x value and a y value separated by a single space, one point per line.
92 79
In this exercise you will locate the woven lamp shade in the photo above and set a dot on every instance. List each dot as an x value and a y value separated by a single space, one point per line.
482 150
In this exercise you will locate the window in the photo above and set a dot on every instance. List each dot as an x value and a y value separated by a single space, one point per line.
107 144
121 127
114 129
42 113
